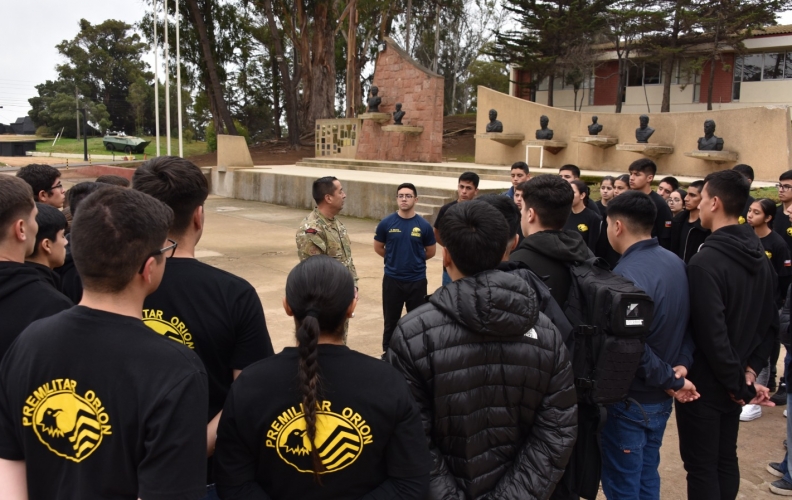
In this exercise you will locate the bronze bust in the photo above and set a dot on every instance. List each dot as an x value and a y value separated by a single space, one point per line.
494 125
710 142
644 132
398 114
544 133
374 100
595 128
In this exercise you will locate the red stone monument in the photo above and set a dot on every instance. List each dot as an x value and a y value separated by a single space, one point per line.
401 79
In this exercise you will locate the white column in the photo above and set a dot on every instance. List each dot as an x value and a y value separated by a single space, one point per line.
156 79
178 82
167 82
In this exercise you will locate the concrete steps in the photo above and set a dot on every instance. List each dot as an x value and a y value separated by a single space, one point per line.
428 206
500 174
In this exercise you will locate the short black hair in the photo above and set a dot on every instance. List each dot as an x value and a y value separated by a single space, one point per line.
785 176
409 186
115 180
16 202
671 181
731 187
322 187
50 221
696 185
582 187
744 169
521 165
176 182
645 165
508 209
551 198
682 193
635 209
572 168
79 192
625 178
471 177
112 235
40 177
475 236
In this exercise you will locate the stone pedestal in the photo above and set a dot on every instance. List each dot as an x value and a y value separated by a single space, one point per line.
714 156
403 129
510 140
552 147
650 150
376 117
600 141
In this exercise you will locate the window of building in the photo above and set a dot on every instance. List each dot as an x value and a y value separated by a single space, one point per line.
644 74
773 68
761 67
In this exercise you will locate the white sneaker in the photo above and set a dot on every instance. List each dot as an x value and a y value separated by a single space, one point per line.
750 412
784 413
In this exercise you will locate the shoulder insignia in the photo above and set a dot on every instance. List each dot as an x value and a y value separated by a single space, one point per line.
310 230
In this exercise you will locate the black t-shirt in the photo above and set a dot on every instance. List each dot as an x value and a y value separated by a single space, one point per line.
782 227
778 253
216 314
369 428
587 223
602 209
99 406
593 206
686 225
662 226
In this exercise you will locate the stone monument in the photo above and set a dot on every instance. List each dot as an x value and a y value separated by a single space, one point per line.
494 125
398 114
644 132
374 100
595 128
544 133
710 142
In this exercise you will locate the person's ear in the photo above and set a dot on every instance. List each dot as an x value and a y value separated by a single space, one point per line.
198 218
287 308
447 262
20 230
649 178
515 242
619 227
148 269
350 312
46 246
42 196
531 213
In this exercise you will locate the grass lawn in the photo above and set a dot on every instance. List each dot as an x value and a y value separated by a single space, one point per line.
96 147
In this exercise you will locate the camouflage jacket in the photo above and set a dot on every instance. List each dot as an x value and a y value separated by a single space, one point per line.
318 234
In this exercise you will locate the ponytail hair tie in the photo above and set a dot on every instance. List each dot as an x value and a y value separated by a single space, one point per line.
313 313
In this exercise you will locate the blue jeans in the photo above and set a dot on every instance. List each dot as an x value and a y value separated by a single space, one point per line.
211 493
631 441
446 278
786 464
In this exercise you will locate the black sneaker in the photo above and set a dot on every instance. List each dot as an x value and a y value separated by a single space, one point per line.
781 487
771 384
775 469
780 397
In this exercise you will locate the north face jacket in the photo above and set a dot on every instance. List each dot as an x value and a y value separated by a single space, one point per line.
493 380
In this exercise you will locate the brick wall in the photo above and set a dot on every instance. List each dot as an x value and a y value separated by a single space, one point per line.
402 79
606 84
722 86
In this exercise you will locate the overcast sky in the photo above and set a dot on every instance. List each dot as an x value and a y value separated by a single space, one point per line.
31 29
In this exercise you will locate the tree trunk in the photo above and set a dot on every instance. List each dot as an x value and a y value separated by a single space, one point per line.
668 69
211 67
407 27
289 84
550 85
666 105
319 88
436 60
351 76
711 83
622 82
276 105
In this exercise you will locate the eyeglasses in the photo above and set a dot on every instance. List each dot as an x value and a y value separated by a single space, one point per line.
162 251
57 186
405 196
783 187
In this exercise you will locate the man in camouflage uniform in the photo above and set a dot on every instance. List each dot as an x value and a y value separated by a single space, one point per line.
321 232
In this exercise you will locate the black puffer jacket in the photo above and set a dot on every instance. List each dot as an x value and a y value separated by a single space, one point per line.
494 384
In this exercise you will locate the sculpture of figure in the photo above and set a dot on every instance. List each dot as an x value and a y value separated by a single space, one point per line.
374 100
595 128
644 132
544 133
494 125
709 142
398 114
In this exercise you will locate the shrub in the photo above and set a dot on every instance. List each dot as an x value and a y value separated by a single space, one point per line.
43 131
211 136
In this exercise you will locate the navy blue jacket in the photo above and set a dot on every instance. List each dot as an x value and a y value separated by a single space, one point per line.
662 275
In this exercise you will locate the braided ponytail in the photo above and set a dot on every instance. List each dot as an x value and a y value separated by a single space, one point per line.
308 374
318 290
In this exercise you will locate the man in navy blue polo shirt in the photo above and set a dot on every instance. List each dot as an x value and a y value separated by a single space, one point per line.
406 241
633 433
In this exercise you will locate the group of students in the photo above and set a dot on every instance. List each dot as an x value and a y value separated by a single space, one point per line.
161 383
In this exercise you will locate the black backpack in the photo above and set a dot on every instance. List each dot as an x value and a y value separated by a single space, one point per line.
610 317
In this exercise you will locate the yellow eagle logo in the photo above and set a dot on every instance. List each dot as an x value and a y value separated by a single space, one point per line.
769 254
582 228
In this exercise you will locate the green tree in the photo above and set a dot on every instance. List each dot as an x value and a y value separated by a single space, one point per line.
484 73
140 98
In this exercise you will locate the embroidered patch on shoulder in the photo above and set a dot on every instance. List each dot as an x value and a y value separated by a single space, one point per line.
668 223
310 230
531 334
